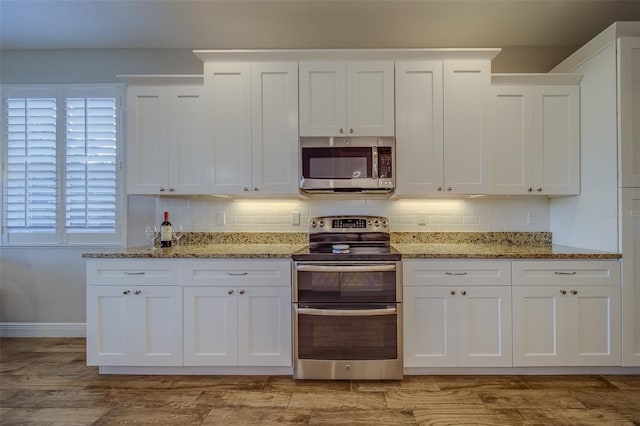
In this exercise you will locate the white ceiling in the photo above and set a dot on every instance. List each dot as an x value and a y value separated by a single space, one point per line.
211 24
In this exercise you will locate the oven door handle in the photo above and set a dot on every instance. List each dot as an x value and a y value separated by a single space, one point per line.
346 312
345 268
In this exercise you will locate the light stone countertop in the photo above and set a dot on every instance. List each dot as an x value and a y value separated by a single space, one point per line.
454 245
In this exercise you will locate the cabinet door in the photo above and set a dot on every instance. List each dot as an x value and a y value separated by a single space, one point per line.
512 141
275 128
557 139
323 97
430 338
419 137
484 326
629 104
190 156
110 322
158 325
264 326
370 98
210 326
147 139
228 94
630 238
540 326
467 112
594 315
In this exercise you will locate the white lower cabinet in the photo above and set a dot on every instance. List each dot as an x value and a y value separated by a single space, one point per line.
566 313
237 313
457 313
134 325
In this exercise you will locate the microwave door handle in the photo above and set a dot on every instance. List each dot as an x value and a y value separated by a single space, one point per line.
374 160
347 268
346 312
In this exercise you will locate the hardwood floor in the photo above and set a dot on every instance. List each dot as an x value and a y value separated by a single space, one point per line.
46 381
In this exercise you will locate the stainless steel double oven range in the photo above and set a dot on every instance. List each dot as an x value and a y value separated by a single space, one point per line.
347 301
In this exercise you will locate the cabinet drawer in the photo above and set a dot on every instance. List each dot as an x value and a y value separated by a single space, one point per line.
566 272
456 272
132 272
236 272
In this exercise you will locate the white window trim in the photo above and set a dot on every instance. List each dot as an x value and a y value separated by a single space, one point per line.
60 238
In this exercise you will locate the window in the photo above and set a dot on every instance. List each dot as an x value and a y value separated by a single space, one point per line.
62 165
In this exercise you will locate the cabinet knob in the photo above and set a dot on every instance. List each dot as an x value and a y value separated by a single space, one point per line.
241 291
341 131
229 291
162 189
574 292
439 188
171 189
563 291
463 292
245 189
449 188
126 292
255 188
137 292
539 189
452 292
351 131
530 190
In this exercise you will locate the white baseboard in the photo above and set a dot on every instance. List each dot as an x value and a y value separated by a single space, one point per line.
42 329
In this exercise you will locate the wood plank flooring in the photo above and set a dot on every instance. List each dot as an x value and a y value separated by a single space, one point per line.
46 382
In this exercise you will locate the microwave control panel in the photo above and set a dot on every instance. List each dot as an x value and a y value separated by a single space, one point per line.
384 163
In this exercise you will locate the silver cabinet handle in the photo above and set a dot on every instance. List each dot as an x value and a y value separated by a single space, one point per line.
137 292
135 273
574 292
235 274
565 273
455 273
346 312
126 292
229 291
346 268
563 291
241 292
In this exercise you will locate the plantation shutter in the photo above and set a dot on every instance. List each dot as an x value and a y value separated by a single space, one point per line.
91 161
63 183
31 184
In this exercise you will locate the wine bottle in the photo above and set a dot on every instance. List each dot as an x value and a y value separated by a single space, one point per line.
166 232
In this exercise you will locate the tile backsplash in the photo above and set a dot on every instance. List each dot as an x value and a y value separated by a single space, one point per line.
480 214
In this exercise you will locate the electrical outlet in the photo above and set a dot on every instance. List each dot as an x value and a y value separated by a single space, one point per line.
531 218
221 218
295 218
422 221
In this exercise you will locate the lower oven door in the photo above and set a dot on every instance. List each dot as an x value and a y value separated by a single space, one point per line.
350 341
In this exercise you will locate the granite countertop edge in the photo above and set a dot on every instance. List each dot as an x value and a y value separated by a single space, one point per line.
406 250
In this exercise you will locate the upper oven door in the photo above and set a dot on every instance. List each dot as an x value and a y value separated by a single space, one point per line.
341 283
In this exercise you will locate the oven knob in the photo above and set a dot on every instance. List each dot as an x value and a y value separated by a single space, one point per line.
385 223
313 224
347 367
321 223
376 223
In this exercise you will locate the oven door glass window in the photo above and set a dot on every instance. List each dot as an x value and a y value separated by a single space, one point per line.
345 284
337 163
324 336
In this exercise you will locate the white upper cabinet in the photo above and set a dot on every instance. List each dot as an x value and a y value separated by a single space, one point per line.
442 114
167 151
629 107
536 137
252 112
346 98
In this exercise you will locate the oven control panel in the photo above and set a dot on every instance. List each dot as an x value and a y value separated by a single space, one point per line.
349 224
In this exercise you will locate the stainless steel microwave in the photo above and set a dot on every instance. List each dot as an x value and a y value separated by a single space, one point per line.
343 164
